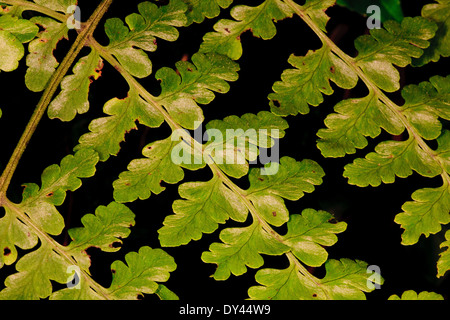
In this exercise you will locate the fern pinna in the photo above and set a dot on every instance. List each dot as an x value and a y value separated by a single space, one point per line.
262 223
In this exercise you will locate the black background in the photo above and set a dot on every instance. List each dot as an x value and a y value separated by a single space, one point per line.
371 235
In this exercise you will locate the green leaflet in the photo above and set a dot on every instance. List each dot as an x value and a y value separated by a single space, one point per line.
425 103
53 262
443 264
127 44
412 295
292 180
260 20
310 79
309 232
198 10
440 45
234 140
40 61
14 32
344 280
107 133
141 274
315 9
207 204
390 159
73 97
194 84
389 9
144 176
39 203
354 119
424 215
396 44
242 247
57 5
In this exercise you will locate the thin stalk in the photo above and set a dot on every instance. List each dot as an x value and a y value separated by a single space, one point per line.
47 96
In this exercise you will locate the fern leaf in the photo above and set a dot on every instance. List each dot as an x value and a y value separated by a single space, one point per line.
440 44
234 140
14 32
425 103
198 10
306 84
194 84
353 121
344 280
73 97
242 248
260 20
309 232
443 264
107 133
40 61
57 5
39 203
412 295
128 44
207 204
390 159
292 180
144 176
424 215
396 44
141 273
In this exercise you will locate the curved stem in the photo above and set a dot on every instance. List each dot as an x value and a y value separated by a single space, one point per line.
47 96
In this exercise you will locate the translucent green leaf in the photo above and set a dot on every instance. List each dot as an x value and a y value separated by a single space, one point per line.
390 159
141 273
128 45
306 84
412 295
39 202
354 119
207 204
40 61
11 51
242 248
14 233
390 9
194 84
396 44
315 9
425 103
424 215
108 132
344 280
260 20
443 264
309 232
198 10
440 45
234 140
292 180
73 97
144 176
24 30
57 5
165 294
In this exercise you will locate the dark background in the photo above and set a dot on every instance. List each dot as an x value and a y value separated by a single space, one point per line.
371 235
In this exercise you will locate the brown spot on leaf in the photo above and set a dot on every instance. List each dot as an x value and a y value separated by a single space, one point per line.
332 69
274 213
314 295
260 179
6 251
113 271
227 30
276 103
50 194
